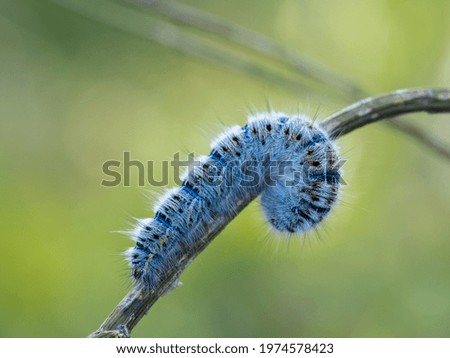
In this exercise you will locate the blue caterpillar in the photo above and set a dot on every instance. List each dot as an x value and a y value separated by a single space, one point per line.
288 160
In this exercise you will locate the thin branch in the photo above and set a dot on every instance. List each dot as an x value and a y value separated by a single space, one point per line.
387 106
139 300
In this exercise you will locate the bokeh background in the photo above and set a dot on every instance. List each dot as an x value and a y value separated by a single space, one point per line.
78 88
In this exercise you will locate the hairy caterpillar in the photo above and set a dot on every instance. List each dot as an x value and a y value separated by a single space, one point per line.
288 160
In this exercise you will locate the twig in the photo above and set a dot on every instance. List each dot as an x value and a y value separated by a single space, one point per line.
387 106
139 300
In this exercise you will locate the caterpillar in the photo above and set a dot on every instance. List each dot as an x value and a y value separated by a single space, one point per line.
288 160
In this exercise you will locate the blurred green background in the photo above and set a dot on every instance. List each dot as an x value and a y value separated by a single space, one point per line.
76 92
